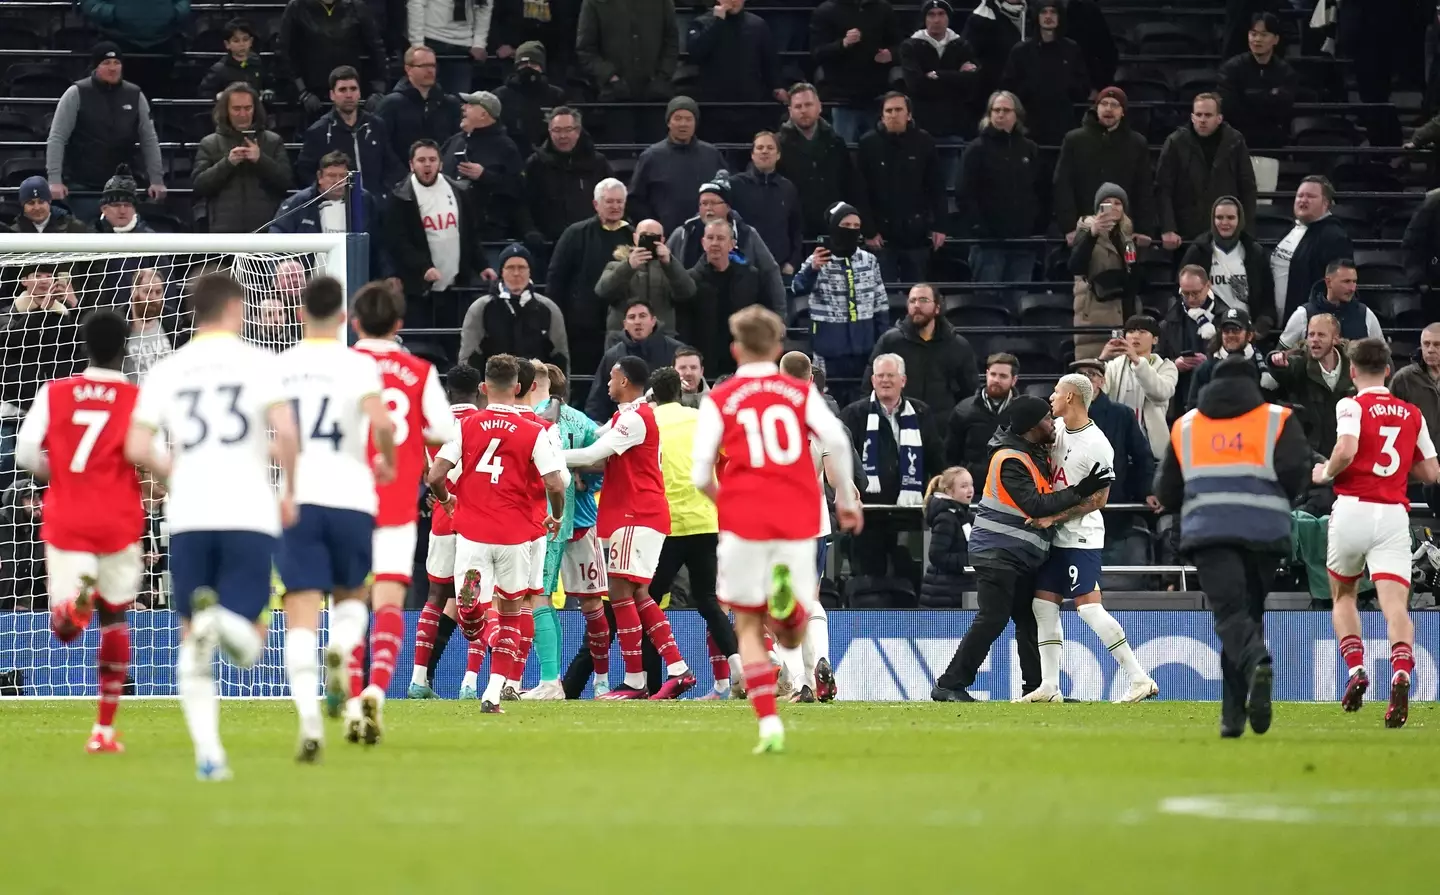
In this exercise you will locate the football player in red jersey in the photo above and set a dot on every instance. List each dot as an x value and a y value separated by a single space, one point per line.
768 498
634 519
1380 440
422 416
437 618
74 438
507 465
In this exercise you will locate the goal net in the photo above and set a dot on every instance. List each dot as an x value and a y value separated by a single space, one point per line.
47 285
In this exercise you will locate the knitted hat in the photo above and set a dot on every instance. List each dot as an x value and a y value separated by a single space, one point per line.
719 185
485 99
105 49
1026 412
516 250
532 51
1115 93
34 188
936 4
1111 191
682 103
120 189
839 212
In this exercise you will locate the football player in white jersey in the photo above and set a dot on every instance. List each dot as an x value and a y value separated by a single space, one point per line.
1073 567
335 395
214 399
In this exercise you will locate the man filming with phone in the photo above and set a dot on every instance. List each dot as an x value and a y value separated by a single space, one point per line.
241 170
646 271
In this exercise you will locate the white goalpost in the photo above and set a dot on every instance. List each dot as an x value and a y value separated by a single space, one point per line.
47 285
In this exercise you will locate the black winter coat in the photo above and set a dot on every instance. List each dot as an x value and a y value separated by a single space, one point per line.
409 117
771 204
1180 335
946 579
1049 78
992 35
939 372
367 144
1422 243
1186 187
36 346
1324 241
888 460
656 351
227 71
1260 280
967 441
561 185
948 104
316 38
410 251
579 257
998 188
851 73
702 323
1134 460
905 189
822 171
1091 156
524 98
1259 99
500 189
737 58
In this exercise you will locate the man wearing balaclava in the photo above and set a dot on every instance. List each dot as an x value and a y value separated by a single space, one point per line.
848 305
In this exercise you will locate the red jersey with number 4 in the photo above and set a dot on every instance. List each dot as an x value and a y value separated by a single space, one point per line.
634 491
403 377
768 490
93 502
1392 438
500 482
440 521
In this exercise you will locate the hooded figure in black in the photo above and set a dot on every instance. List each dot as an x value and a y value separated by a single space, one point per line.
942 74
526 95
1047 71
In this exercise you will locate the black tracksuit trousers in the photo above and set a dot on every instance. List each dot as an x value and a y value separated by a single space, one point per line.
1236 582
1003 593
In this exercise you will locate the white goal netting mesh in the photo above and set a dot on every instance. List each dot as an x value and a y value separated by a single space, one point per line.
44 297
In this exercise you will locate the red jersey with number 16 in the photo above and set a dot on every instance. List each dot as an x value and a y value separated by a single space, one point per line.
440 521
768 489
634 491
503 457
93 502
403 377
1392 438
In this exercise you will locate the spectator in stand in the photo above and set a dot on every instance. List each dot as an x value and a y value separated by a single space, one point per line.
1190 326
1236 335
641 338
1102 150
1316 376
525 96
900 450
629 50
431 231
456 29
690 364
240 63
748 247
148 342
849 308
560 178
853 43
1102 262
649 270
515 319
813 156
37 215
1259 87
723 285
973 424
670 172
905 192
549 24
418 109
275 320
1085 24
770 204
738 62
1421 243
580 257
484 154
154 28
998 193
241 170
1140 379
1199 163
117 205
939 362
993 29
1419 382
319 36
1239 266
1300 260
39 341
1134 460
362 137
1047 72
1334 295
99 124
948 517
321 208
941 75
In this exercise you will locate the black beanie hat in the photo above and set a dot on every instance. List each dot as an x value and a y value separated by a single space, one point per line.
1026 412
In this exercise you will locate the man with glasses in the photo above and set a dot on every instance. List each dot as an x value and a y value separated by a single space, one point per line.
418 109
560 177
1190 328
940 363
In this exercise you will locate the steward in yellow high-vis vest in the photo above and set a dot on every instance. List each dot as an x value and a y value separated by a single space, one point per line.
1009 540
1233 467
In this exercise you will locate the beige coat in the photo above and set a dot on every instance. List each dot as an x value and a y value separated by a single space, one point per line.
1089 310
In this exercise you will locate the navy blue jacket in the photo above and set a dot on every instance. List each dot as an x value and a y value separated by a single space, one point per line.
301 214
1134 461
367 145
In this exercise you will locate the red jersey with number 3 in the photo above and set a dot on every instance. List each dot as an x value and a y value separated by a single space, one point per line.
403 377
768 489
499 484
1392 438
93 502
440 521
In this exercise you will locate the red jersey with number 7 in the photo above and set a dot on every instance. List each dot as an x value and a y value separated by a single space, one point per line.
502 458
1392 438
416 403
93 503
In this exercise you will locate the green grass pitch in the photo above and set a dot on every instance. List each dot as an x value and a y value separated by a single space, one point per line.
666 798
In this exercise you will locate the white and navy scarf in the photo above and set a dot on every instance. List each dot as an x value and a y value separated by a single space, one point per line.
912 461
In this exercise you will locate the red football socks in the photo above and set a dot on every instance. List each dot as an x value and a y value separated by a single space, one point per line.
719 664
657 628
427 629
357 671
1402 659
627 631
1352 650
597 639
387 632
760 687
505 655
527 639
113 659
475 657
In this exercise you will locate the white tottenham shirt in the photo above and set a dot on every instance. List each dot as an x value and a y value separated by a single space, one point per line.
1280 261
327 385
1075 453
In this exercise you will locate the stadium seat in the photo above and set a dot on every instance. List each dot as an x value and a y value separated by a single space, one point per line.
1324 130
1146 90
19 36
14 170
967 309
1034 357
75 38
35 79
1171 39
1047 309
1359 222
1190 81
16 127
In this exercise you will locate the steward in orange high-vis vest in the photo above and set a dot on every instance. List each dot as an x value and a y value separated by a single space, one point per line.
1009 540
1233 467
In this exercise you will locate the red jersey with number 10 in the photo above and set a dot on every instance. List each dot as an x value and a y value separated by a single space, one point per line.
768 489
402 377
1392 438
440 521
93 502
634 492
499 485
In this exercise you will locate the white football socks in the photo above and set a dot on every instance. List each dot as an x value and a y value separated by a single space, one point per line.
302 669
677 669
349 620
198 701
1113 636
471 680
420 676
493 688
636 681
1051 635
238 638
816 643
